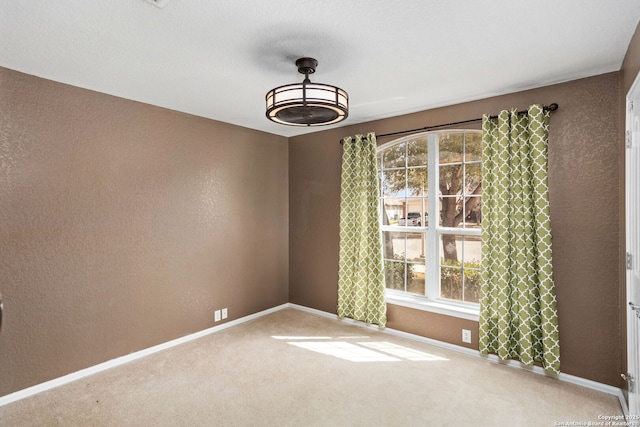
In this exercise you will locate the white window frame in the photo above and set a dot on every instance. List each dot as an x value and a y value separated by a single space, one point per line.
438 305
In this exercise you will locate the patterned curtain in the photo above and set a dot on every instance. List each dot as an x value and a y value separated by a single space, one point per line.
518 317
361 290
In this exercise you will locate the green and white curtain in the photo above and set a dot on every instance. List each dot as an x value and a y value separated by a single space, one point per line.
361 289
518 316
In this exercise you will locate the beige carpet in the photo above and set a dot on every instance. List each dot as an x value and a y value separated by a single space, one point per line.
293 368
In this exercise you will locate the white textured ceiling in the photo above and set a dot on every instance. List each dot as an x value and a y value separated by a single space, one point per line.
217 59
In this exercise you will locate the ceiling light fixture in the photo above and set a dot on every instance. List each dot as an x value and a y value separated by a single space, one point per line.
306 103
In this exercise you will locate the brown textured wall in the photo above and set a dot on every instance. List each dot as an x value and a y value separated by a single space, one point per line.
124 225
631 64
584 193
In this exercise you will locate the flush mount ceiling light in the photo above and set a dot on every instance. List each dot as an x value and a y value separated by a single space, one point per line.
306 103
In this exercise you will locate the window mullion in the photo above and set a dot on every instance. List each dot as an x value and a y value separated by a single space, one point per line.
432 263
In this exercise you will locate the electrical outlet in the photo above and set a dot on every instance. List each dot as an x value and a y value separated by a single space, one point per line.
466 336
224 313
216 315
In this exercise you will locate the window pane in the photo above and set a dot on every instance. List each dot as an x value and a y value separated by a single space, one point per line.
472 251
394 275
472 284
450 187
451 249
404 261
451 283
460 277
392 211
417 181
450 145
472 212
473 147
394 182
460 285
417 152
394 264
451 179
456 249
472 178
394 245
416 213
395 157
415 279
415 247
450 211
404 246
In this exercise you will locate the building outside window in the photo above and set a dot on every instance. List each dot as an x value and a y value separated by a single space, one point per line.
431 217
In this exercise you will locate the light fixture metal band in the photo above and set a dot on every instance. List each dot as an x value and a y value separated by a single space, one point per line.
307 103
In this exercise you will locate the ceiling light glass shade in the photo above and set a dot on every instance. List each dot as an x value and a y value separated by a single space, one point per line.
306 103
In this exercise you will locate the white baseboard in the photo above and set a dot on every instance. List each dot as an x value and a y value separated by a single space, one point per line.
594 385
74 376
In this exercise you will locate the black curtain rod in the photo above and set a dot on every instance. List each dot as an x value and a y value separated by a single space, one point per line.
551 107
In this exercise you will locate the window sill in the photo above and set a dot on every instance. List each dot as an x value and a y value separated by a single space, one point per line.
447 309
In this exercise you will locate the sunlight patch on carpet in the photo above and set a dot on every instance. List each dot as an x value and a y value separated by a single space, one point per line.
345 350
402 352
366 351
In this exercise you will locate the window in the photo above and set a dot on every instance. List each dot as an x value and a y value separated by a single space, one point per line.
431 198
